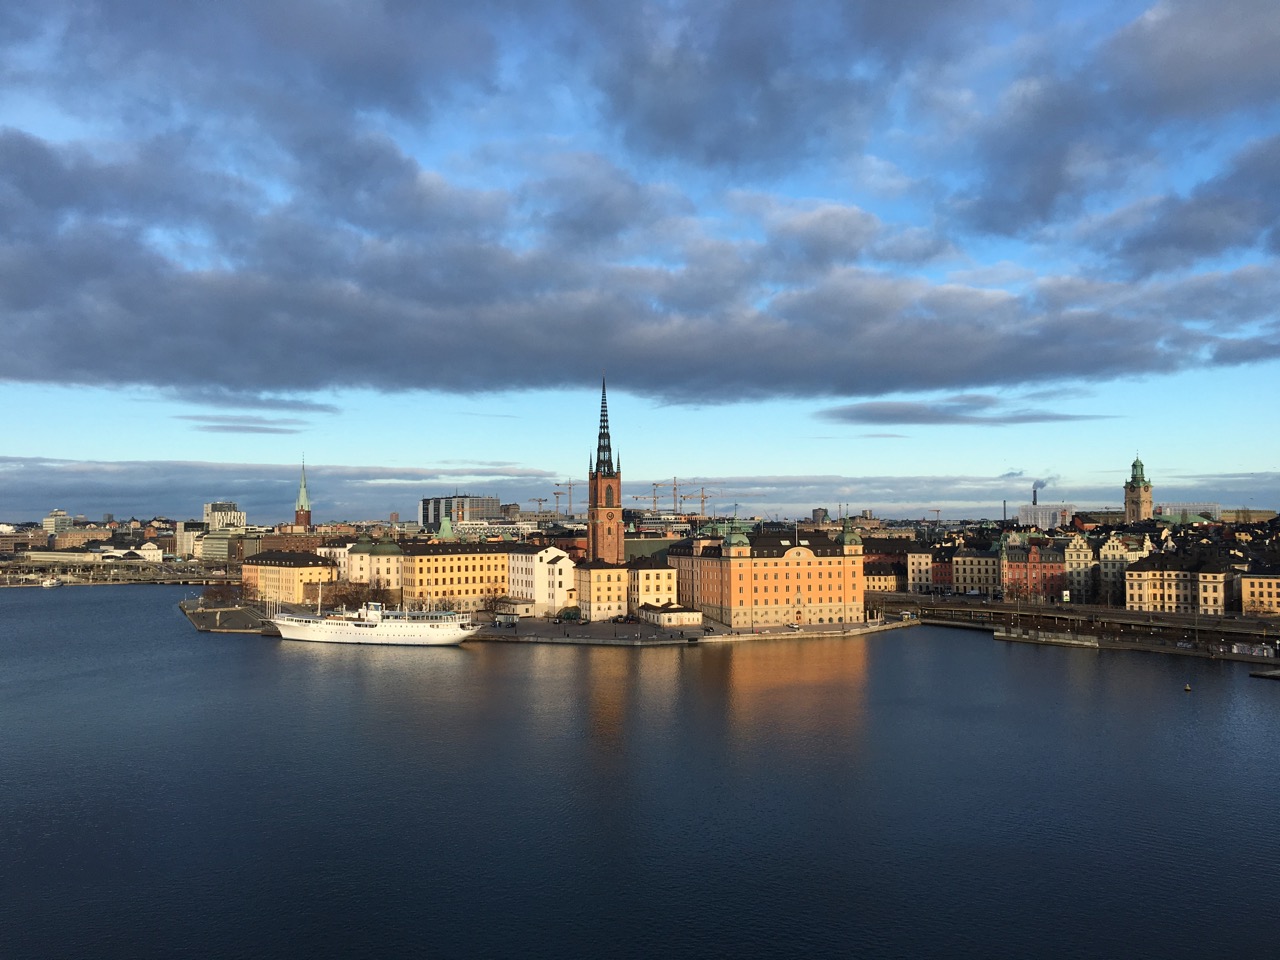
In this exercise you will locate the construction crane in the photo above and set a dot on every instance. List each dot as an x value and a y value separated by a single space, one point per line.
539 501
558 494
701 497
646 497
675 494
571 484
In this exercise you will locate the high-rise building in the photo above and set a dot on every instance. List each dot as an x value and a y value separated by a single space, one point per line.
1137 495
604 485
57 522
223 515
459 507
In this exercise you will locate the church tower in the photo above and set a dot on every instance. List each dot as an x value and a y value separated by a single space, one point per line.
604 509
302 506
1137 495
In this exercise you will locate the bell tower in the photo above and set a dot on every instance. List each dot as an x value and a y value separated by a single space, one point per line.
604 509
1137 495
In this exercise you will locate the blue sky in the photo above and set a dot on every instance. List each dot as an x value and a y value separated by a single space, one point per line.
890 257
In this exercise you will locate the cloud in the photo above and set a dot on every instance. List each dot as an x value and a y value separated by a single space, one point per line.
244 424
955 411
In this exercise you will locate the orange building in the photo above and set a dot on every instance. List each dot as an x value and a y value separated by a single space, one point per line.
757 580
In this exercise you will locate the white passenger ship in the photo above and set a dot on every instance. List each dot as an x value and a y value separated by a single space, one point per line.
374 624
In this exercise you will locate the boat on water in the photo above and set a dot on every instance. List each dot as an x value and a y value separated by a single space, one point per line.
50 582
373 623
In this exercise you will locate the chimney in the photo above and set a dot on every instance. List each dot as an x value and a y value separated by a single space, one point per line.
1033 494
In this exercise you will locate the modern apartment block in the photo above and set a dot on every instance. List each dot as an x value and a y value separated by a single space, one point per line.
458 508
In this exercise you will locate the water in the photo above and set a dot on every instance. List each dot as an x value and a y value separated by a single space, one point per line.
928 792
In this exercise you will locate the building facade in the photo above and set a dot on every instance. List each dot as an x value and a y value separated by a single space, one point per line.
286 577
745 581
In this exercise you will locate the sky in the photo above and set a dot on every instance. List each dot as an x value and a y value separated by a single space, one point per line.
856 255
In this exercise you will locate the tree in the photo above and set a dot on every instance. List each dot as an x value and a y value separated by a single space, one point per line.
225 592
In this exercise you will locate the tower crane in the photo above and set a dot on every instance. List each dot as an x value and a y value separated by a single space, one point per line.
701 497
539 501
571 484
558 494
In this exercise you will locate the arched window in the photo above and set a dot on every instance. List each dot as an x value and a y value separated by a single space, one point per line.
608 496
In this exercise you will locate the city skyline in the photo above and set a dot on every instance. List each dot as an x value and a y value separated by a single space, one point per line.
895 258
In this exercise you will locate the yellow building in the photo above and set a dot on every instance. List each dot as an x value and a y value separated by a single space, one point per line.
454 576
1260 594
758 580
286 577
1169 583
602 589
649 583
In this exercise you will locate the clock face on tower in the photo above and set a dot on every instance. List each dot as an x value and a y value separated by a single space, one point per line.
609 515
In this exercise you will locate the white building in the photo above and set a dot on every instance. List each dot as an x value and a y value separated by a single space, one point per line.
542 576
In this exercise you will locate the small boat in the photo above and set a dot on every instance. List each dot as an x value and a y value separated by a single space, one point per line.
50 582
1187 688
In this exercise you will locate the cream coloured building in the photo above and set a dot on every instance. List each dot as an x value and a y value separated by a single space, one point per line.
540 579
286 577
651 584
976 572
1260 593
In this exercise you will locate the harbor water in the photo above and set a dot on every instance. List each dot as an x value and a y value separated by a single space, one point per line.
926 792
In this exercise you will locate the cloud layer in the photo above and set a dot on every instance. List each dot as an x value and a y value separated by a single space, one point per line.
280 198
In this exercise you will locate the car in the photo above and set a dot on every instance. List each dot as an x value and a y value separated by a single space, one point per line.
708 630
793 626
555 619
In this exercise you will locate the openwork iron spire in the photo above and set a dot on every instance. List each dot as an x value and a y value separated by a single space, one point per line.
604 448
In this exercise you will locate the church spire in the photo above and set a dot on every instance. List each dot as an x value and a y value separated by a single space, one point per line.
302 506
604 449
303 502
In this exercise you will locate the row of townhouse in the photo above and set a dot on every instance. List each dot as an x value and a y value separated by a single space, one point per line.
1030 567
533 580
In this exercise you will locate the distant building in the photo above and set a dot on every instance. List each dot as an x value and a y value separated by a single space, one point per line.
458 508
302 505
223 515
1046 516
57 522
1137 495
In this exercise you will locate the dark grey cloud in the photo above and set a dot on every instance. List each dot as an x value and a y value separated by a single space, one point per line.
966 410
1236 209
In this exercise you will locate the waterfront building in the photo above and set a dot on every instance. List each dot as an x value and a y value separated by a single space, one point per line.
650 583
769 579
602 589
1174 583
881 577
1260 592
976 571
605 532
540 579
942 570
920 570
1137 495
455 576
286 577
1032 568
